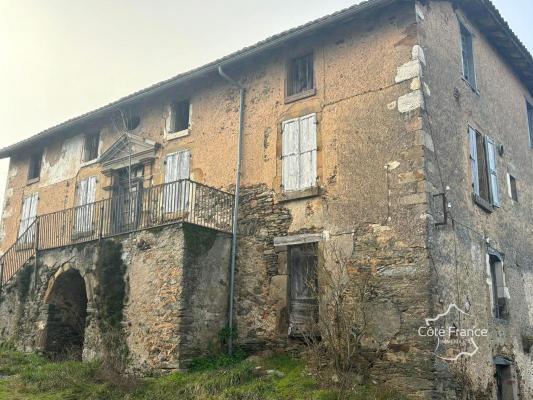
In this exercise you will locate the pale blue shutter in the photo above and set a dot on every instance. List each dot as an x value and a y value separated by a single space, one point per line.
492 170
473 160
290 155
307 152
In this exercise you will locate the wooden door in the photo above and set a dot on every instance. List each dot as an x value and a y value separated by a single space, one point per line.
303 289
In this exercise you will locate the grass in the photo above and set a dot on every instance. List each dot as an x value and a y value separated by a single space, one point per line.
32 377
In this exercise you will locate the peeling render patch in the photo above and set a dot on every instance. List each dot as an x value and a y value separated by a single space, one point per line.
68 163
411 101
13 171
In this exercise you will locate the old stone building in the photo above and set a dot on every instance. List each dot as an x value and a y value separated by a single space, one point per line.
397 132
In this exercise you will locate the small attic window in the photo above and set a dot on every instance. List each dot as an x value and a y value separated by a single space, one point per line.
132 122
90 147
34 170
179 116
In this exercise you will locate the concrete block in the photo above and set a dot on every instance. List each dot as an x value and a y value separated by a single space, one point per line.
409 70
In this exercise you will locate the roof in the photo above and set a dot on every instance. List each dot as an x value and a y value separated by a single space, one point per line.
482 12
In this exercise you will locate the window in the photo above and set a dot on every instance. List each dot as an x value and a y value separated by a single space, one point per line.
27 218
90 147
530 123
34 170
483 168
498 295
303 306
179 116
132 122
85 198
467 53
176 191
299 153
300 75
511 183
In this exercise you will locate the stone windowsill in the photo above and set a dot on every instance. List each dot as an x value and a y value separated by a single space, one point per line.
299 194
178 134
482 203
90 162
300 96
33 180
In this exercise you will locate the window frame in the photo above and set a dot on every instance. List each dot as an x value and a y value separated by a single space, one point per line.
300 190
512 190
500 311
289 95
86 138
468 67
488 169
172 131
35 163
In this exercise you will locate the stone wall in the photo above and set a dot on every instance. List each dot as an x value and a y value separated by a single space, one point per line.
176 296
459 249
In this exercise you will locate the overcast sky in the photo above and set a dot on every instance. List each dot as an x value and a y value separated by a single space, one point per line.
61 58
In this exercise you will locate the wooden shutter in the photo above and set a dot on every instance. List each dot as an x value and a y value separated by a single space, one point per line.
176 194
84 210
290 155
492 171
28 215
307 151
473 159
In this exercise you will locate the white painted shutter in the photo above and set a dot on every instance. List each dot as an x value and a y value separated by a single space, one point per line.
492 169
28 215
290 155
307 151
85 199
176 193
473 159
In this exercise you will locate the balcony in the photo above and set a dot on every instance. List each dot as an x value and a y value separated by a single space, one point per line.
170 203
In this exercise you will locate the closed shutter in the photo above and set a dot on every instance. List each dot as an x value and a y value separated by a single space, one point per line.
492 170
299 153
28 215
473 159
85 205
291 155
307 151
177 172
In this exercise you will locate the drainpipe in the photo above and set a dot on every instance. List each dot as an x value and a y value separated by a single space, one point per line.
235 205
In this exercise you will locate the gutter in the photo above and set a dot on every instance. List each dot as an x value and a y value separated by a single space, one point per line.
235 205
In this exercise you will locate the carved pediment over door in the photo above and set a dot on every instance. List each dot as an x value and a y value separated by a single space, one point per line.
141 150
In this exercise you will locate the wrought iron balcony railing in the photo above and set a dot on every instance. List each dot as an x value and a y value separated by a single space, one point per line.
179 201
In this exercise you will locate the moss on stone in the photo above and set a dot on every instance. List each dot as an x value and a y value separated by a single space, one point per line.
198 240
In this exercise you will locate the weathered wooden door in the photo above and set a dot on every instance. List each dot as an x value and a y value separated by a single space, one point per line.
303 289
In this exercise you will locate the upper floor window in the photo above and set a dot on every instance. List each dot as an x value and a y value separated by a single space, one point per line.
530 122
300 77
299 153
132 122
512 187
179 116
34 170
497 277
467 52
484 170
90 147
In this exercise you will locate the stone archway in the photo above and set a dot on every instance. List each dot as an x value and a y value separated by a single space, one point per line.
67 312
